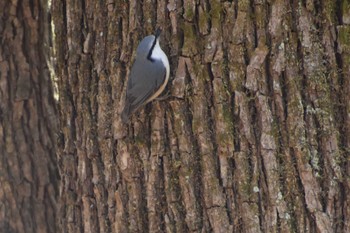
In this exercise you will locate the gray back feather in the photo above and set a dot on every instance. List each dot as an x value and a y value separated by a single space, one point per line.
145 79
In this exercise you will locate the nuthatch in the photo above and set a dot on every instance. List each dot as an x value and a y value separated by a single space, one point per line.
148 76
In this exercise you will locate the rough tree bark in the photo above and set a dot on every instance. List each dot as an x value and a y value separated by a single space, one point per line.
28 120
255 134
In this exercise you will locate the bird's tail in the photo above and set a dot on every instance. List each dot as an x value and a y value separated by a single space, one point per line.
126 113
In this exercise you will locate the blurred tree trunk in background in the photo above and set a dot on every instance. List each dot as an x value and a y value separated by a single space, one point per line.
28 120
254 137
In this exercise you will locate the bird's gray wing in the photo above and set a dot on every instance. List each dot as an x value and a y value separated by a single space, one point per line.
145 79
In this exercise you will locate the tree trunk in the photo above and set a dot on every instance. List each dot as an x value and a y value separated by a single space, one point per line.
255 136
28 121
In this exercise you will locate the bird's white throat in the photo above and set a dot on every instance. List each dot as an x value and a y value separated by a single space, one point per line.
158 54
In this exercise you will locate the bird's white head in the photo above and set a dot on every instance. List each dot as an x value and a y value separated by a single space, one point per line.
156 52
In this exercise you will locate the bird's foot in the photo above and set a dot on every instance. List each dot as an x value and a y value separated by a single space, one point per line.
164 97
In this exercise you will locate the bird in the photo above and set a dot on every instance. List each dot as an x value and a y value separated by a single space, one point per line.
148 77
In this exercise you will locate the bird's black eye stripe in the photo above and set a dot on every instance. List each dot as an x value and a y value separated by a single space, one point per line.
151 50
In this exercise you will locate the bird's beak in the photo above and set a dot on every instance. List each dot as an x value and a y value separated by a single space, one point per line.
157 33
